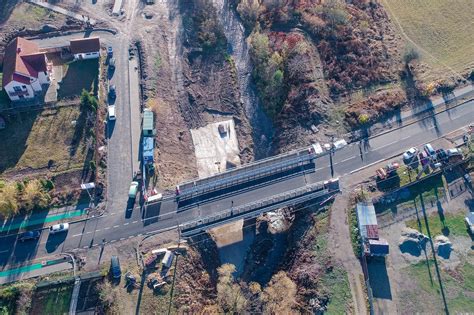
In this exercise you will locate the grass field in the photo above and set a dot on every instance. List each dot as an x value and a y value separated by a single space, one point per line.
425 295
32 140
54 300
453 225
440 27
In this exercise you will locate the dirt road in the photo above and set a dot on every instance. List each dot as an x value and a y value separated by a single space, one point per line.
342 251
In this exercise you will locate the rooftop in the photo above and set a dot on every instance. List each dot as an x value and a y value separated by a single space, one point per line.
367 220
85 45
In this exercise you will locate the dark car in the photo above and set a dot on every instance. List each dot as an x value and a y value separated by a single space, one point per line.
115 267
110 51
441 155
112 92
30 235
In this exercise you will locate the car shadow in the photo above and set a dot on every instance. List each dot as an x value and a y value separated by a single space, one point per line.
152 213
54 241
13 251
129 208
110 128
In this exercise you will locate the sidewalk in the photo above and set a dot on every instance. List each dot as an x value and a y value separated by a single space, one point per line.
34 270
40 218
60 10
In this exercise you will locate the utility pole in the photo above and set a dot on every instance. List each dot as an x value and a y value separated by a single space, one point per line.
331 152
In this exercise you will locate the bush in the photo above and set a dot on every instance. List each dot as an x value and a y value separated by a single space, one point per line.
35 196
355 235
249 11
88 101
410 54
9 200
92 165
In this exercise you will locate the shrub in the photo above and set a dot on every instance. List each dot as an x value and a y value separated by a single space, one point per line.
410 54
229 294
9 200
249 11
280 295
35 196
92 165
88 101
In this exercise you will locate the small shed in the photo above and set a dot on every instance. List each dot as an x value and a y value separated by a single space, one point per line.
148 123
85 48
368 228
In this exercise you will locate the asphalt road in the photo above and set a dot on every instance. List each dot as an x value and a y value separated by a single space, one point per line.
118 224
115 225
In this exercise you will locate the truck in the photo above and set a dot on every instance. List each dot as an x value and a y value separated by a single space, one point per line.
148 129
148 144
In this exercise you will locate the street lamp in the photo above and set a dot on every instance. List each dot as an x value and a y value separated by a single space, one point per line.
331 152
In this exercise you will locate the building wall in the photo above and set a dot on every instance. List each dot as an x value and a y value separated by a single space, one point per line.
43 77
26 91
91 55
36 85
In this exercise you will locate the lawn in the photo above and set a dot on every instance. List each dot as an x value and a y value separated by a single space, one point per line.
452 225
79 75
33 14
53 300
340 293
458 285
34 140
441 28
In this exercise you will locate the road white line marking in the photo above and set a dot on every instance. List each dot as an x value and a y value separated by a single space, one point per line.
97 230
407 137
139 234
135 222
385 145
76 235
89 232
318 169
116 226
126 223
112 213
107 228
4 251
350 158
85 246
122 238
112 241
130 236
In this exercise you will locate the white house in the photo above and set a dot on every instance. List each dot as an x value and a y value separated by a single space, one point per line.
25 70
85 48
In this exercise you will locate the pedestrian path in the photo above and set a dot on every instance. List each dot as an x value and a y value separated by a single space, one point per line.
42 218
33 270
61 10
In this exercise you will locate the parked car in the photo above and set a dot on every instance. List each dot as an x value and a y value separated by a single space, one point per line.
469 220
58 228
430 151
132 192
409 155
110 51
453 152
111 112
112 63
115 267
112 92
30 235
423 158
441 155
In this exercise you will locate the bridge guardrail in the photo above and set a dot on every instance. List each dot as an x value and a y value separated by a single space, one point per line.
244 174
293 197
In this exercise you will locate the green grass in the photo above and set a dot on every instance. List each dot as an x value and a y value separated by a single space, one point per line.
440 27
31 139
79 75
458 286
453 225
354 230
53 300
337 284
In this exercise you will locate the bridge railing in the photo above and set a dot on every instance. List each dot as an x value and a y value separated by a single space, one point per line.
248 173
253 209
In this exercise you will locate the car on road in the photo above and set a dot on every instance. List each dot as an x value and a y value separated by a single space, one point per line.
115 267
409 155
58 228
112 64
110 51
111 112
112 92
30 235
133 190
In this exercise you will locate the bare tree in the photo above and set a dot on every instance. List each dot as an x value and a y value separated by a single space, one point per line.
8 200
229 294
280 295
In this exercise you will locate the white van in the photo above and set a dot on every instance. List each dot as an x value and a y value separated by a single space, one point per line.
111 112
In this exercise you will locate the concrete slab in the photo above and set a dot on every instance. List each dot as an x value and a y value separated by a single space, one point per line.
215 151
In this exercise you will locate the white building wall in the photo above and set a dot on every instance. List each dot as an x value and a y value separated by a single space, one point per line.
36 85
90 55
9 88
43 78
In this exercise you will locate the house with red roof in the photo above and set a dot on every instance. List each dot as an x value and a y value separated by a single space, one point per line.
85 48
25 70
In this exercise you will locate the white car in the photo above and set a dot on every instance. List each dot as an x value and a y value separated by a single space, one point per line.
409 154
338 144
57 228
111 112
453 152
